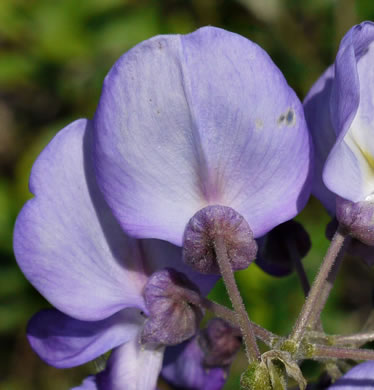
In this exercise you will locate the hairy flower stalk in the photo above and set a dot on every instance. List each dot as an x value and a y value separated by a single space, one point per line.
323 351
249 338
315 302
357 339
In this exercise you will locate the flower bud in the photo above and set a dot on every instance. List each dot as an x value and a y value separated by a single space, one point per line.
274 255
220 342
357 218
172 302
271 372
209 223
256 377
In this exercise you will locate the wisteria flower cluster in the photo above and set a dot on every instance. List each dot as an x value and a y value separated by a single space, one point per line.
197 159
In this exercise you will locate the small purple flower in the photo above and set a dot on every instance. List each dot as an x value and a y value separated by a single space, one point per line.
72 250
360 377
173 304
340 112
187 121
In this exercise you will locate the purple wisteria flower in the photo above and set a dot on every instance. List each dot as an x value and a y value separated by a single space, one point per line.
360 377
339 112
74 252
187 121
183 122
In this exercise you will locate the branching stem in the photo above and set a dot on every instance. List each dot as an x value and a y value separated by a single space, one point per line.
322 351
229 315
357 339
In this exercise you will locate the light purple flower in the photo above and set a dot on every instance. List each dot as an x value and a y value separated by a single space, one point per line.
317 115
187 121
360 377
183 122
72 250
340 113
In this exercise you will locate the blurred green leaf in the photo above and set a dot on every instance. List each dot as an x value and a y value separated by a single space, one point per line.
127 29
16 68
58 28
6 217
12 282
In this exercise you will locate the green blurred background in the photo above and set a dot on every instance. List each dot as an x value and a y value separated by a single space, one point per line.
53 58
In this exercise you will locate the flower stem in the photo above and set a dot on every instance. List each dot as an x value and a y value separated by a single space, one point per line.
357 339
229 315
322 351
299 267
241 315
317 297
